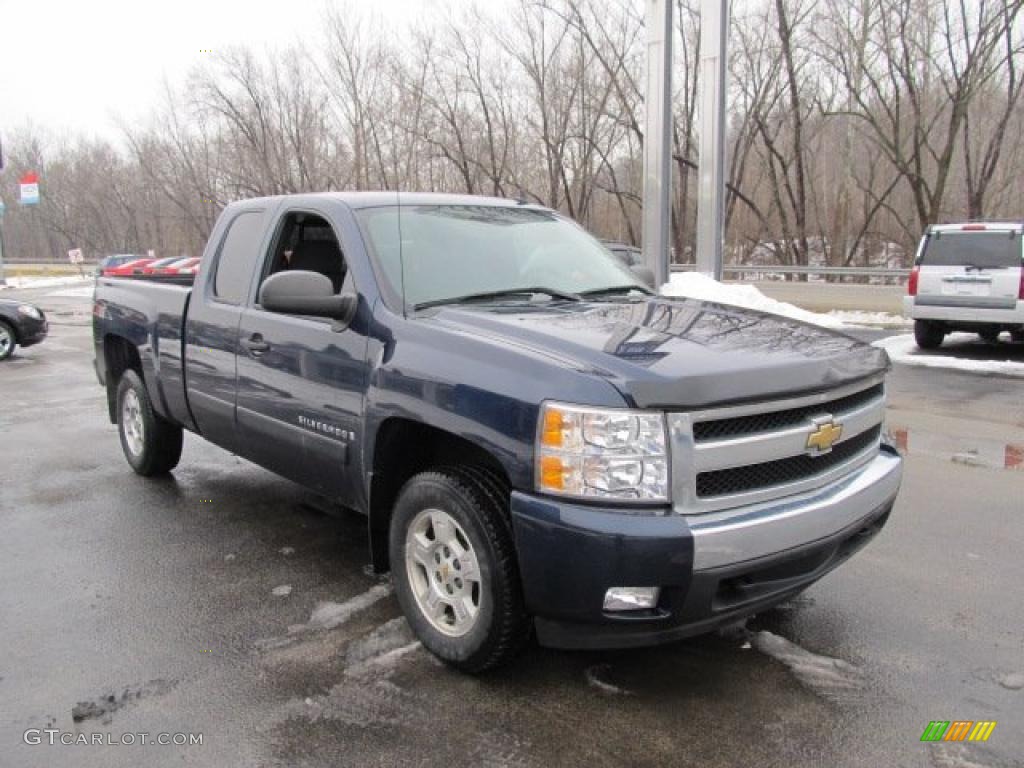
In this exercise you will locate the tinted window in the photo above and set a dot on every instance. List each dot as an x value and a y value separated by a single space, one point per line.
977 249
238 256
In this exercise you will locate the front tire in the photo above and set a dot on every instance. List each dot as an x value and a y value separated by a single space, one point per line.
151 444
1017 336
454 567
8 341
989 335
928 335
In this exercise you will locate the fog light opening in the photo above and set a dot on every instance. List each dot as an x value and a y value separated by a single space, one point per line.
631 598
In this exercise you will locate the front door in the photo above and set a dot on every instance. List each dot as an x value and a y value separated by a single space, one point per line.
301 382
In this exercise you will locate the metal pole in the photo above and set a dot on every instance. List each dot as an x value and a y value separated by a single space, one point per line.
714 32
657 210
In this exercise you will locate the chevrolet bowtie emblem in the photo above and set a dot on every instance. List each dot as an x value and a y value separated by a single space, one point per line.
826 434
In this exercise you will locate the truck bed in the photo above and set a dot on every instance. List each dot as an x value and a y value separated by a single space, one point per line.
149 311
187 280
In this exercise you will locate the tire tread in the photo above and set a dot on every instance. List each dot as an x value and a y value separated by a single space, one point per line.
488 493
163 439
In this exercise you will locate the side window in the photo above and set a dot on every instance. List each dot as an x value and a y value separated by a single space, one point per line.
239 254
307 242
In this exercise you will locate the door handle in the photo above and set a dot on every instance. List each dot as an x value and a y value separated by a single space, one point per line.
255 344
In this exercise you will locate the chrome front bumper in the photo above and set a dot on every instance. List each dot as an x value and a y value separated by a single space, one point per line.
746 533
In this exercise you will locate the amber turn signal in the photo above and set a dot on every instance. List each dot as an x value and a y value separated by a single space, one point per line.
552 473
554 428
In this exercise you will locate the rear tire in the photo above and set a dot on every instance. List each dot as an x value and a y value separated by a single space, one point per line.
8 340
990 335
151 444
928 335
454 567
1017 336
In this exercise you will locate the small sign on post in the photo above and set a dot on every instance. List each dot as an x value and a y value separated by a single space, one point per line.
29 188
75 257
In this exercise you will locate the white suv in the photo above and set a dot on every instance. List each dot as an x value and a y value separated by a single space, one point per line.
967 277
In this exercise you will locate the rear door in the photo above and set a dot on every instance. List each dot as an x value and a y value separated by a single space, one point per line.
211 328
976 266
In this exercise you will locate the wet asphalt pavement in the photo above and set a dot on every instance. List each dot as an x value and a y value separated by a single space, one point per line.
224 602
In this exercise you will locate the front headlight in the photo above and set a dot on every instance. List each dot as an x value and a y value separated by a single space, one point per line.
29 311
602 453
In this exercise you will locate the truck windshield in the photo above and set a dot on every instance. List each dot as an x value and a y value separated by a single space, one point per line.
984 250
447 252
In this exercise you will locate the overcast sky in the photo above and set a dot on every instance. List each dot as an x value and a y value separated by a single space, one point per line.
76 65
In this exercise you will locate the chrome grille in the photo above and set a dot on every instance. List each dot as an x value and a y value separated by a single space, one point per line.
732 456
723 482
717 429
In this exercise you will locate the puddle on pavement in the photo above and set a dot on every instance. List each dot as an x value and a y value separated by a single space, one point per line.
969 451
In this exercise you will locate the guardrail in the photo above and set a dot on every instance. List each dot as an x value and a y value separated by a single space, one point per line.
766 269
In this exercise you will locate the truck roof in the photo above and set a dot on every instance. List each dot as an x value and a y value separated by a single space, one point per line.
378 199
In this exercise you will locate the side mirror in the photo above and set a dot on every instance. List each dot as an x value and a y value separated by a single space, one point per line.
298 292
646 274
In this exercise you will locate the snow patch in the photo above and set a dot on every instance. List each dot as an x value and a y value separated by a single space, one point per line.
282 591
955 756
384 662
1014 681
592 675
903 349
873 319
34 281
84 291
695 285
328 615
364 703
828 677
287 551
387 637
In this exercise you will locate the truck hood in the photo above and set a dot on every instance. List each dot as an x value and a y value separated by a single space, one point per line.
677 353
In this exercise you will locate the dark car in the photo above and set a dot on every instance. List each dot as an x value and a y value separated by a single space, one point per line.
20 323
629 255
117 260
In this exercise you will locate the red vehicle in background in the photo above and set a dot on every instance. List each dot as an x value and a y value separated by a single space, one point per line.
185 266
159 267
127 269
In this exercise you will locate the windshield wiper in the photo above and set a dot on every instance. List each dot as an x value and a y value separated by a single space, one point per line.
983 267
487 295
618 289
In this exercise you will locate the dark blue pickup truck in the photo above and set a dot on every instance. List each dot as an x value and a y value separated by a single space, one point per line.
541 444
